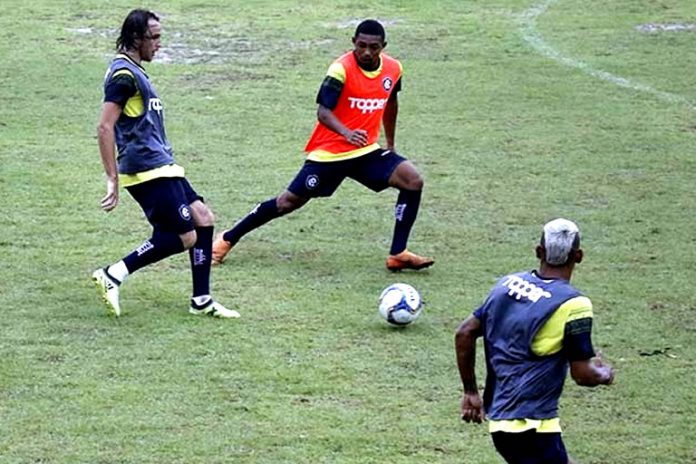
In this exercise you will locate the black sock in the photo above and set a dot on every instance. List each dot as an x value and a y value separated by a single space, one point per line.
261 214
405 212
199 256
159 246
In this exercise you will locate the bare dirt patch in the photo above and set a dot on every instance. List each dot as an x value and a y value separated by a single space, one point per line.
183 49
353 22
653 28
195 47
205 82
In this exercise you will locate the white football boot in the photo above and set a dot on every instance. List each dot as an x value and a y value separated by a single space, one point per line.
108 290
213 309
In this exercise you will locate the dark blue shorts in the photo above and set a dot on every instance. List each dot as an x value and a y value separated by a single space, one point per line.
321 179
530 447
165 202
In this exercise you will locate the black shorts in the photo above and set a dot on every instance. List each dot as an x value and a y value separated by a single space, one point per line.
530 447
321 179
165 201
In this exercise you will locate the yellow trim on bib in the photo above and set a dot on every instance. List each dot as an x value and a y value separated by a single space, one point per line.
325 156
549 339
134 107
337 71
522 425
170 170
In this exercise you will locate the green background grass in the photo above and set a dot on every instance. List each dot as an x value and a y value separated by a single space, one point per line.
506 139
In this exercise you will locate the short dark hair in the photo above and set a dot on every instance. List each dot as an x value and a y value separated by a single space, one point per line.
370 27
134 28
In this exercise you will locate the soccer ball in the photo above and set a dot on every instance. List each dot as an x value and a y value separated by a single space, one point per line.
400 304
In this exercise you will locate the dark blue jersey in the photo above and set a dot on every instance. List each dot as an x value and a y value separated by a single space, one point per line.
521 384
141 139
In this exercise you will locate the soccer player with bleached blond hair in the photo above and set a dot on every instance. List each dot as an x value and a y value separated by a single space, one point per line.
535 326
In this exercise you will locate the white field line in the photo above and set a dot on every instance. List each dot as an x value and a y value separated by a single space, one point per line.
532 37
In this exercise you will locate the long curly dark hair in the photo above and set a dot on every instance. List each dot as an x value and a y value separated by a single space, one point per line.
134 28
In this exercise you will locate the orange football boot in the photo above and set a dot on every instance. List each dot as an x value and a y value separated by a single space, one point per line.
408 260
220 249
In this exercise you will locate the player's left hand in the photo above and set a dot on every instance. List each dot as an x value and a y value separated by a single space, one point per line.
472 408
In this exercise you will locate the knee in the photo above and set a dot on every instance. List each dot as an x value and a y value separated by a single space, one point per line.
209 219
206 218
288 203
189 239
415 182
284 206
406 177
202 215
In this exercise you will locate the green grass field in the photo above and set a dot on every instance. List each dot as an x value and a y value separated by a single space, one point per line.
515 111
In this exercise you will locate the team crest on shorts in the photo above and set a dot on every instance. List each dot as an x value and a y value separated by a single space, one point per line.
312 181
387 83
185 212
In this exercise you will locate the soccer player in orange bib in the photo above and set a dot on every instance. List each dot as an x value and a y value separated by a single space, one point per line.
357 96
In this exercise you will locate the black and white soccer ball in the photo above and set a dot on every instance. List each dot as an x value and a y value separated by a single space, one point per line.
400 304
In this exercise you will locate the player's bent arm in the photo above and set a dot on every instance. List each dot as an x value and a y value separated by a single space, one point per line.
328 118
591 372
586 368
465 348
391 111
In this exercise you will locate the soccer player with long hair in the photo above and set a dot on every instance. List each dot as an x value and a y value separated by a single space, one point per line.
132 120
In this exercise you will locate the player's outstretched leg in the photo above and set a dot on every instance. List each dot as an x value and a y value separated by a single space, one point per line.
159 246
260 215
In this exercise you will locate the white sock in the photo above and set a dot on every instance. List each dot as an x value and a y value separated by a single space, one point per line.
118 271
201 300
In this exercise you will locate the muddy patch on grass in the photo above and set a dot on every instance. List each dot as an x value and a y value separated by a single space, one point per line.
208 81
83 31
653 28
179 48
184 49
353 22
194 47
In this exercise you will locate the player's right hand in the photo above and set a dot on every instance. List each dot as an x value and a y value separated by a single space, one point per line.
357 137
605 369
472 408
110 200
